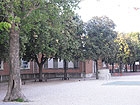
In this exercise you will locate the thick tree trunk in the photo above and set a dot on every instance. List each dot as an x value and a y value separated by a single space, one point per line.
65 69
97 77
40 73
14 85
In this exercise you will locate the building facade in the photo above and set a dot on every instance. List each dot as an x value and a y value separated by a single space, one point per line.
52 68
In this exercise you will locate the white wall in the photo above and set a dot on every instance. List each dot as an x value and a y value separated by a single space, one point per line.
50 63
60 64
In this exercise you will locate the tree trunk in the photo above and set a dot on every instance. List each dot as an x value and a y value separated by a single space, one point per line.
130 67
94 66
14 85
120 67
126 67
84 73
40 72
112 67
65 69
134 67
97 77
40 65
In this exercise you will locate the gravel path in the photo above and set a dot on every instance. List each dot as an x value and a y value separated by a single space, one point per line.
83 92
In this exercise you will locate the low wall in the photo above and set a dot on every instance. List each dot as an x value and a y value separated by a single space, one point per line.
104 74
35 76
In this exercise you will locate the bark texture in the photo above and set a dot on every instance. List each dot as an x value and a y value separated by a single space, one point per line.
65 69
97 76
134 67
14 85
112 67
40 73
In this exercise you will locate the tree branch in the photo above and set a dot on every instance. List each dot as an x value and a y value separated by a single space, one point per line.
45 60
36 59
30 11
42 58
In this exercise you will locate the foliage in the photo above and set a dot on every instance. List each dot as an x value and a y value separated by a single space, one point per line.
129 48
70 45
100 31
48 24
5 25
4 43
40 17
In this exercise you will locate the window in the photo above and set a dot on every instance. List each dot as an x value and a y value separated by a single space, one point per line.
60 64
70 64
46 65
25 64
1 65
50 63
76 64
55 63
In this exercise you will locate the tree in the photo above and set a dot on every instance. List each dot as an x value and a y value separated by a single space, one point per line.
70 45
42 35
100 31
46 32
111 54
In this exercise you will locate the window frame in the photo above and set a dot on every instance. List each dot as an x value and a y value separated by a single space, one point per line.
21 67
76 64
70 65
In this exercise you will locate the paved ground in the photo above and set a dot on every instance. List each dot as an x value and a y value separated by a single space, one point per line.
83 92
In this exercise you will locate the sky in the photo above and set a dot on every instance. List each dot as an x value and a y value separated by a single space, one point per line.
124 13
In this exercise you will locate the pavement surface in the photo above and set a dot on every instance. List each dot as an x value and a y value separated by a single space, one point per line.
120 90
8 103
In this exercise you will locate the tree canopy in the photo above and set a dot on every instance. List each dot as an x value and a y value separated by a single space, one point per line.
128 48
100 31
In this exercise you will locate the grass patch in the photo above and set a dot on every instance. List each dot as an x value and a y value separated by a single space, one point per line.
19 100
